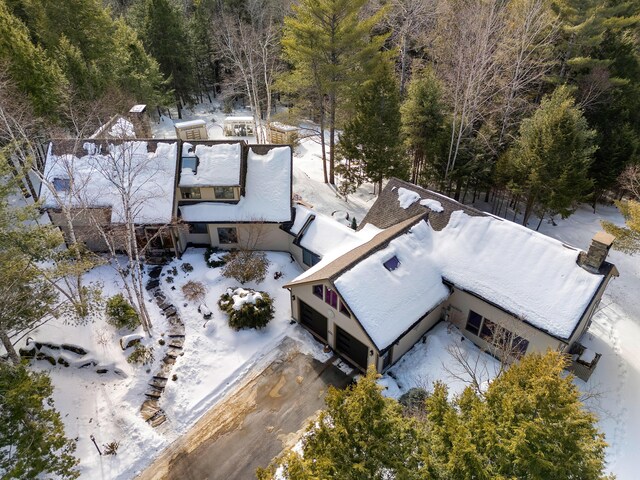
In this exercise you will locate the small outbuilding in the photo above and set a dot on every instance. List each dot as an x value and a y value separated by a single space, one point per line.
192 130
238 126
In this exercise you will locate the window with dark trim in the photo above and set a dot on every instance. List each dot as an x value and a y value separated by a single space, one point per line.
191 193
474 322
198 228
227 235
223 193
497 335
519 346
309 258
331 297
344 310
190 162
317 291
61 184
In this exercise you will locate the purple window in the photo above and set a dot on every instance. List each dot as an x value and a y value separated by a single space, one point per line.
331 297
392 263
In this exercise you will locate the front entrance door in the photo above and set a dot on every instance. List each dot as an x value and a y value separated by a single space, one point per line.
313 320
353 349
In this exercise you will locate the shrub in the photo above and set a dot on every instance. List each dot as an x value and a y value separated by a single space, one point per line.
186 267
414 400
194 291
173 271
214 257
141 355
246 266
246 308
169 279
121 314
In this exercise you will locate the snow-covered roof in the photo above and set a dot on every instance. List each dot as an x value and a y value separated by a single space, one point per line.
323 234
388 302
190 124
138 108
94 177
526 273
219 165
267 193
283 127
239 119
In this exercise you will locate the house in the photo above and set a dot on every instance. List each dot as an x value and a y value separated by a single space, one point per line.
86 177
420 257
235 195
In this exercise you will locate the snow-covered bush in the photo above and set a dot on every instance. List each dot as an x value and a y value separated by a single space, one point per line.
121 314
214 257
186 267
414 400
246 308
141 355
246 266
194 291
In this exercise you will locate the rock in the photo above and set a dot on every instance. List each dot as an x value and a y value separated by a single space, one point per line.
158 293
130 340
170 311
62 361
175 320
176 330
173 352
153 392
176 342
164 372
155 272
102 371
158 382
52 346
149 408
44 356
88 363
75 349
169 360
151 284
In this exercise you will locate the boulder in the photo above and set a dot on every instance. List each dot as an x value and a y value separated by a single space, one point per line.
130 340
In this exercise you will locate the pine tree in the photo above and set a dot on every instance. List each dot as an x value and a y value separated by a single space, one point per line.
371 137
332 50
166 38
549 161
361 435
32 438
424 127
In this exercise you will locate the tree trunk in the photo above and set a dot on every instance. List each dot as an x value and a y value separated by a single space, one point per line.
332 138
322 144
6 342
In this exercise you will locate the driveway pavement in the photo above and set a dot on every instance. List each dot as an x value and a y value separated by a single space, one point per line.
253 425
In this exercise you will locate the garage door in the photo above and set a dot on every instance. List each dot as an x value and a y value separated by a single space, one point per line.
353 349
313 320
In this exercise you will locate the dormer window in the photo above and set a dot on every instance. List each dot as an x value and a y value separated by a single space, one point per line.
223 193
61 184
392 263
190 193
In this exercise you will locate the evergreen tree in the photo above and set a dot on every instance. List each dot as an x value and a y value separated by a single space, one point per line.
371 138
166 38
424 127
549 161
361 435
32 439
530 423
332 50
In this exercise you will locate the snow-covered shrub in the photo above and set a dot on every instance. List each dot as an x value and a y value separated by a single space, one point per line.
194 291
214 257
186 267
246 266
141 355
121 314
246 308
413 400
169 279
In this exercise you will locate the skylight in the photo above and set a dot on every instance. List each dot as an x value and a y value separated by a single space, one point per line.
61 184
392 263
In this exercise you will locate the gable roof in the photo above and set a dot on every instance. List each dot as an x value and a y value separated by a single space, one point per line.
266 196
333 266
94 183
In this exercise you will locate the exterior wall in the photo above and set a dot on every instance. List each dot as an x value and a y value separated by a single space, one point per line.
265 236
413 336
586 318
296 253
460 303
334 317
83 226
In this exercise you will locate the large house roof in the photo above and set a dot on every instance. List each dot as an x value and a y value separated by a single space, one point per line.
267 192
85 173
219 164
532 276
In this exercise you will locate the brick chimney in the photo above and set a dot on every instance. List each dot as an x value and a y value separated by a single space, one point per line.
598 251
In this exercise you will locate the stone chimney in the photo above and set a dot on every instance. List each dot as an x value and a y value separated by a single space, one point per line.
598 251
140 119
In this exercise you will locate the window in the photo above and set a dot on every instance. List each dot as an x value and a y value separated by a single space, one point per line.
317 291
61 184
343 309
227 235
386 360
223 193
309 258
487 330
190 193
331 297
519 346
474 322
392 263
190 162
198 228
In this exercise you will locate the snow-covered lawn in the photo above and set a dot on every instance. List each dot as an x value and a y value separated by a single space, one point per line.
215 357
